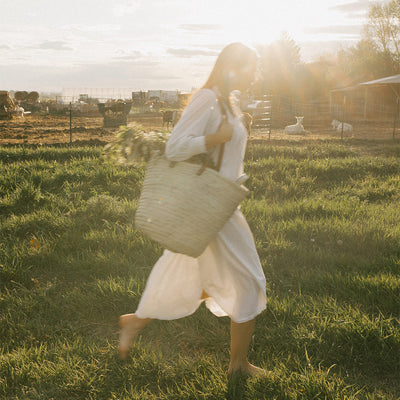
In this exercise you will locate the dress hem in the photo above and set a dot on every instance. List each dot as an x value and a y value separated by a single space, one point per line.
238 321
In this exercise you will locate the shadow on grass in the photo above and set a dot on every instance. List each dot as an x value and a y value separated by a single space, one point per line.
236 388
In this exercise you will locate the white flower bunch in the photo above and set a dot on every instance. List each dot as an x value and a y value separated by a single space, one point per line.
133 145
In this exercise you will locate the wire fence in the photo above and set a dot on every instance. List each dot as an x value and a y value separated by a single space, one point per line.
359 111
102 94
282 111
321 112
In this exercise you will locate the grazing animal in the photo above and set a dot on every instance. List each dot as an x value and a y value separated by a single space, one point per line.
346 127
338 126
296 129
170 117
335 124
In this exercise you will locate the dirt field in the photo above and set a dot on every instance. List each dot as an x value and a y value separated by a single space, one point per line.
48 129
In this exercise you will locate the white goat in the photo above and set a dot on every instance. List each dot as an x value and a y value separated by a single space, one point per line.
296 129
338 126
346 127
335 124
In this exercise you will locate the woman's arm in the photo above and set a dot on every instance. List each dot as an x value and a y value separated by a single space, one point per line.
188 137
223 134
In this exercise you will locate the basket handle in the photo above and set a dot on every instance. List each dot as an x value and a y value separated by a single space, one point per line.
221 149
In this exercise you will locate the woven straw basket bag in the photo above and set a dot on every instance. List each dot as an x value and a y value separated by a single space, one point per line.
183 206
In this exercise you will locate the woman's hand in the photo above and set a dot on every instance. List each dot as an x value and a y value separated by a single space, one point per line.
223 134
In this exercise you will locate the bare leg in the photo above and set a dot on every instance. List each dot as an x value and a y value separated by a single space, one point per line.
130 325
241 334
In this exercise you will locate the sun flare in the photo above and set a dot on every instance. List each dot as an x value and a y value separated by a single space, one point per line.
137 43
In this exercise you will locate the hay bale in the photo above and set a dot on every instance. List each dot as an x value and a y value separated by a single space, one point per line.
20 95
5 99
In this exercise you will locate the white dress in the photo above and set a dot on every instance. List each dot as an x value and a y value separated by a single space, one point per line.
229 269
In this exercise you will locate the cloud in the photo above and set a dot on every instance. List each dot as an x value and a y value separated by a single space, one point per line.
217 47
200 28
187 53
126 8
356 8
17 59
117 73
353 30
52 45
93 28
112 75
135 56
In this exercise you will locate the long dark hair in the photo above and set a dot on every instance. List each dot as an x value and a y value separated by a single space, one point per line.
232 59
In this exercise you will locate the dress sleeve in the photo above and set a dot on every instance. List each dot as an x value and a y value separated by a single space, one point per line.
188 137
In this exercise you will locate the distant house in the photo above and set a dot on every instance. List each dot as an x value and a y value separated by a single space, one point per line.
167 96
139 98
84 97
102 94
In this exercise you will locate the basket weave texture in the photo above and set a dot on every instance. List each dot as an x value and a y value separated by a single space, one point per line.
184 211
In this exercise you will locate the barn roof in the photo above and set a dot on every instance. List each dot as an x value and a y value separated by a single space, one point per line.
345 89
383 81
388 81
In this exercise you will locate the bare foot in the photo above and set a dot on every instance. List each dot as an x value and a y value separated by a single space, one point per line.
247 369
256 371
130 325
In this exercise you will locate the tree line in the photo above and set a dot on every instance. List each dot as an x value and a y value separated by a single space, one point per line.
375 55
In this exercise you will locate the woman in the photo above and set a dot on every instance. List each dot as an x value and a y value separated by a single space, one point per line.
228 275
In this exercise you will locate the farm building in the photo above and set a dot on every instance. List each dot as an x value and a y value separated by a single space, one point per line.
139 98
162 97
167 96
375 100
102 94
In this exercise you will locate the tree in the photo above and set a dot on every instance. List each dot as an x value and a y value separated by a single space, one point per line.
379 28
314 79
279 61
363 62
284 74
377 54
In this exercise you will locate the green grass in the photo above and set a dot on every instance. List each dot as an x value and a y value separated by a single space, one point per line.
325 217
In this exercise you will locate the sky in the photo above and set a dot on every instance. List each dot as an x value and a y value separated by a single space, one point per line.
47 45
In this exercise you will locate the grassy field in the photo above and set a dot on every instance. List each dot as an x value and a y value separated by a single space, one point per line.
326 220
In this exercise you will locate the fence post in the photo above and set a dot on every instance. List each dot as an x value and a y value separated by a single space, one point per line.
396 116
343 114
70 122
